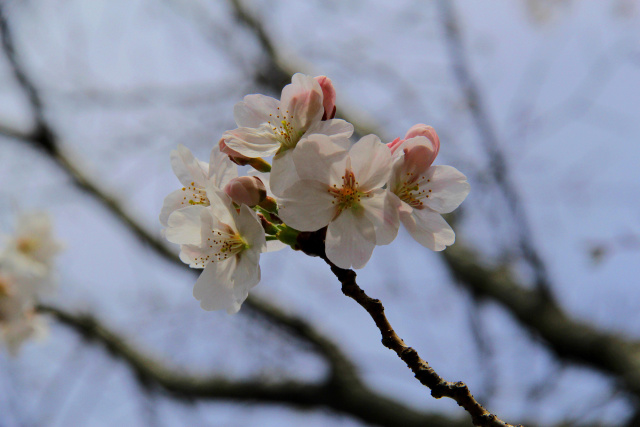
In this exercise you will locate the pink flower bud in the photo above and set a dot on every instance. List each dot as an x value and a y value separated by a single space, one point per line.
235 157
329 97
246 190
395 144
418 158
424 130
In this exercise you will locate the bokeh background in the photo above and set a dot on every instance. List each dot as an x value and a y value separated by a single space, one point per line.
537 102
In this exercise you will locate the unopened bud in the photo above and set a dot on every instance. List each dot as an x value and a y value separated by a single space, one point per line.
246 190
418 158
329 97
257 163
235 157
421 157
395 144
424 130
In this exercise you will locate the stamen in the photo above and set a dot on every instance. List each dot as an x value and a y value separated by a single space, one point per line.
195 195
410 193
348 196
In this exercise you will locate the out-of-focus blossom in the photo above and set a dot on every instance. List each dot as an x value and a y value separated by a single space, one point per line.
18 320
426 191
26 274
342 188
267 126
223 241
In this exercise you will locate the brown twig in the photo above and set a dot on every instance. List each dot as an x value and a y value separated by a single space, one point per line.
457 391
313 244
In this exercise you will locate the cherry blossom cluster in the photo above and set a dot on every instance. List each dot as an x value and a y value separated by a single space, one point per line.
360 191
26 273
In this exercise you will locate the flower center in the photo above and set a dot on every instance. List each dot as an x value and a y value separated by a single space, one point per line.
5 287
410 193
194 195
348 196
27 245
284 132
225 244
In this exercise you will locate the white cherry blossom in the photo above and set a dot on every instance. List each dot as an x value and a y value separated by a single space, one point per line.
26 274
194 175
225 243
29 253
426 191
18 320
271 127
342 188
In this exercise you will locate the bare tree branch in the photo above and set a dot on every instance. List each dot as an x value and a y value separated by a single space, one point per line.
341 395
570 339
497 164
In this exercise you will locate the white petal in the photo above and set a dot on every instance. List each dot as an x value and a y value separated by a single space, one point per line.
246 276
214 287
221 168
350 240
275 245
254 110
340 129
319 158
250 228
307 206
221 206
301 102
192 255
371 162
428 228
252 142
381 209
449 188
172 202
187 168
283 173
184 225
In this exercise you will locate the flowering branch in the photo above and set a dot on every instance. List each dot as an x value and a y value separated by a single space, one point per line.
533 309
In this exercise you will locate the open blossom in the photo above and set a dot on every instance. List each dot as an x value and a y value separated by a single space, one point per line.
267 126
426 191
223 241
33 239
342 188
26 273
29 253
194 175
